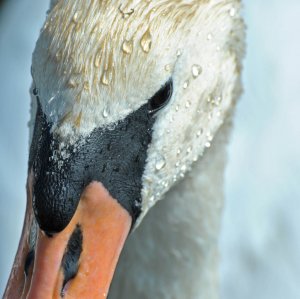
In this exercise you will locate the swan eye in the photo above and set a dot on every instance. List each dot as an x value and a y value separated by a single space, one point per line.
161 98
35 91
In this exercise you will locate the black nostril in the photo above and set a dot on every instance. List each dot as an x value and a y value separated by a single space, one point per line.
28 261
70 261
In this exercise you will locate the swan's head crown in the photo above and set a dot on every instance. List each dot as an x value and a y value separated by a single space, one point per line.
98 61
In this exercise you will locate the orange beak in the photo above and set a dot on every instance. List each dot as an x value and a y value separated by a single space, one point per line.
78 262
65 197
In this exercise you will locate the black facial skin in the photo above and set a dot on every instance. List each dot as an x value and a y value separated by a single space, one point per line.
115 157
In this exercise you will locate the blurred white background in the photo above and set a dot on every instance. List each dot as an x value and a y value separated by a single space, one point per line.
260 241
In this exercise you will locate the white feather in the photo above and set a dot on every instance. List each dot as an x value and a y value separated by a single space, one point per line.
86 79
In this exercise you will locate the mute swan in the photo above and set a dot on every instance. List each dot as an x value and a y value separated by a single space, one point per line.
131 103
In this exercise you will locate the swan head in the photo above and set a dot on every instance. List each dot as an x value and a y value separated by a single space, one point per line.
127 95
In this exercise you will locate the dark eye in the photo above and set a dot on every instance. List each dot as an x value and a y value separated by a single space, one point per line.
35 91
161 98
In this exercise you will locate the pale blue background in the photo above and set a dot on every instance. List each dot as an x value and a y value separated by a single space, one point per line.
260 240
